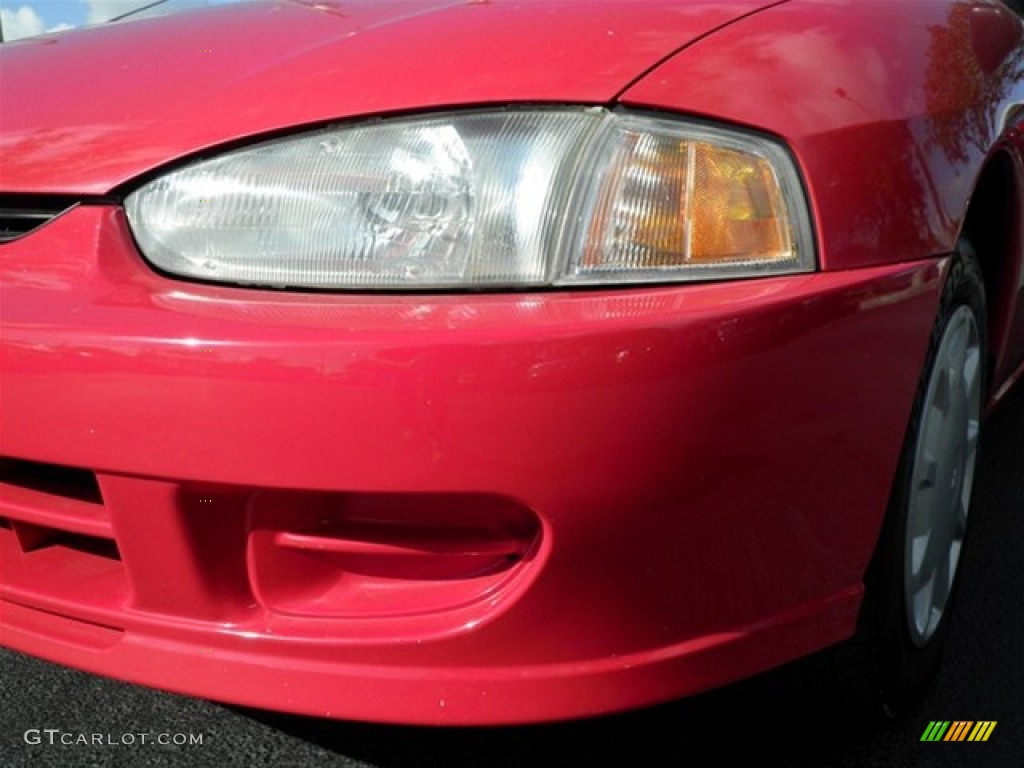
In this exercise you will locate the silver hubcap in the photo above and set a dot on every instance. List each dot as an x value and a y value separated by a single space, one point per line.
942 475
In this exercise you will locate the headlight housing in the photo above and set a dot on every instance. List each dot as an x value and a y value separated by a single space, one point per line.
510 198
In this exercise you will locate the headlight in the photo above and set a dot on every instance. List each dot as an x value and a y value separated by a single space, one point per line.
482 199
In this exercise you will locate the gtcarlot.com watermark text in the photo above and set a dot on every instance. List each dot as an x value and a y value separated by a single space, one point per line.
58 737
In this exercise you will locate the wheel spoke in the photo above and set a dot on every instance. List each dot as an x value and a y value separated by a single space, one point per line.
922 602
973 432
972 370
935 556
925 485
931 441
918 551
942 474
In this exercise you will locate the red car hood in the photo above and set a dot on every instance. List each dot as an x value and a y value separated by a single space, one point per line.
85 111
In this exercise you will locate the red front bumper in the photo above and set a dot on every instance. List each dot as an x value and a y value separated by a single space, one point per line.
439 509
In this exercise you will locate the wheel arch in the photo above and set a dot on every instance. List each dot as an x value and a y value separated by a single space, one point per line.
993 226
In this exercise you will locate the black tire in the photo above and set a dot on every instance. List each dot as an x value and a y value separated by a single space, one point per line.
894 655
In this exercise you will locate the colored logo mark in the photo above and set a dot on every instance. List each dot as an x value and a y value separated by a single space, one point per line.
958 730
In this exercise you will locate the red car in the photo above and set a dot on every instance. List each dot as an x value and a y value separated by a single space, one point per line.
494 362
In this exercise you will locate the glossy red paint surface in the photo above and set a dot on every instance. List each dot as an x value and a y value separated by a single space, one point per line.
178 85
887 111
880 102
472 508
659 418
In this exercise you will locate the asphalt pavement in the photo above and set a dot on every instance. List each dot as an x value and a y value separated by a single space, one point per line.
750 724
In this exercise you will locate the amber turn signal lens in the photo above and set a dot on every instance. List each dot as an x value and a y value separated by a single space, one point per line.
683 202
736 208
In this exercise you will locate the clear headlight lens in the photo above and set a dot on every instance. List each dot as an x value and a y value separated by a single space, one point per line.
489 199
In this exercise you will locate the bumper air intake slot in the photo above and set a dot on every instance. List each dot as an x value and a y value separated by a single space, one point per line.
57 547
385 555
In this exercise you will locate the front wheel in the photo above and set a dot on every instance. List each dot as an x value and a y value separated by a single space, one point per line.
941 476
910 584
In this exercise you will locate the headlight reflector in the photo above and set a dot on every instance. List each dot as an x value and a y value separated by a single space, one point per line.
481 199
